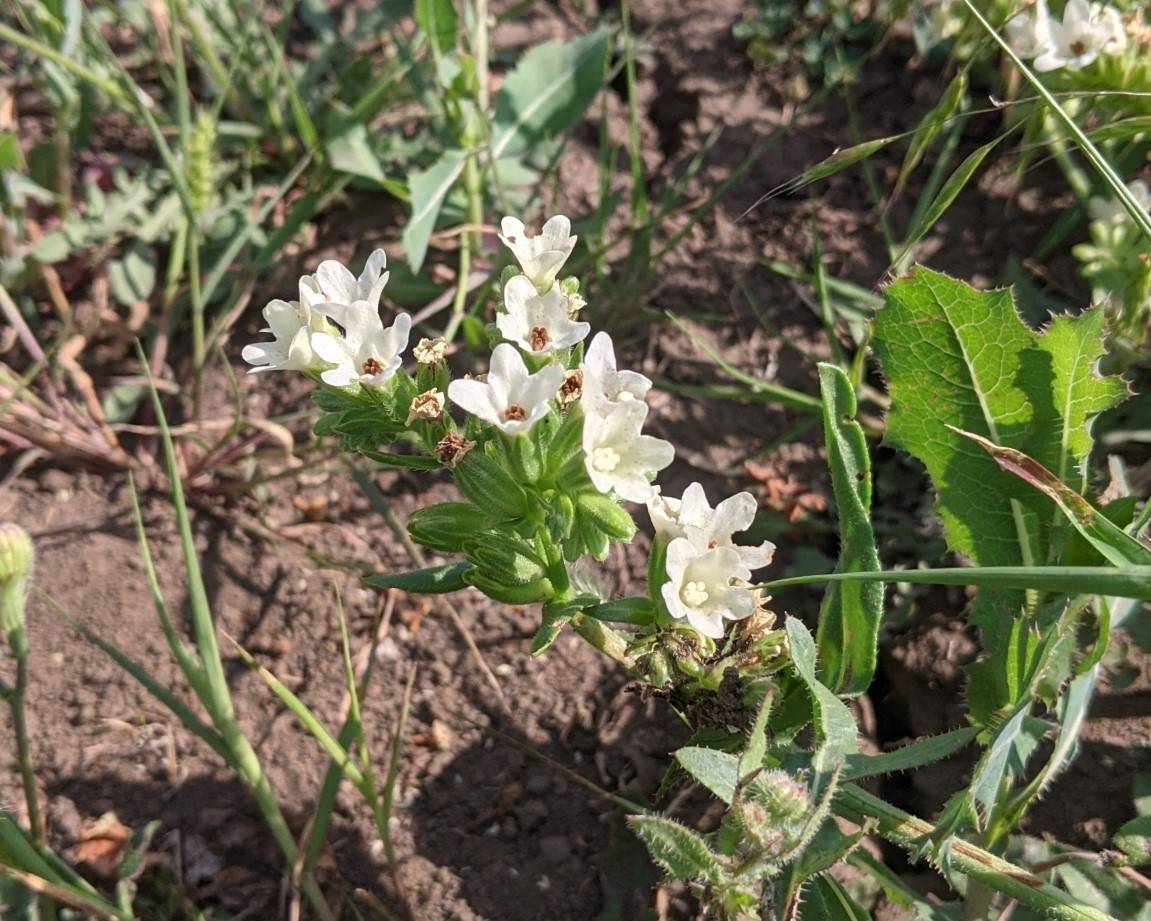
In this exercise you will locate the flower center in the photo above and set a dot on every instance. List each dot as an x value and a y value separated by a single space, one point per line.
694 594
371 366
538 338
1079 47
605 460
514 413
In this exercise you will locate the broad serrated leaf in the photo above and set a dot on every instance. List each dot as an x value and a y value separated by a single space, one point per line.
1078 393
716 770
679 850
428 189
834 727
850 614
549 89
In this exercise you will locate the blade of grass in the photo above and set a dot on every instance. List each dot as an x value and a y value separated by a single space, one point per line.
1104 169
1119 582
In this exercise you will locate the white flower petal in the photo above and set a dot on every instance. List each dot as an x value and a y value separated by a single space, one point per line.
475 397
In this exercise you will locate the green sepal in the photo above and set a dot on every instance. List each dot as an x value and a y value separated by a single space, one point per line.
561 517
488 485
636 611
540 590
524 453
447 526
567 442
500 556
607 515
435 580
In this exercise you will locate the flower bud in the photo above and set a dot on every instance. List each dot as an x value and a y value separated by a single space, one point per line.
16 558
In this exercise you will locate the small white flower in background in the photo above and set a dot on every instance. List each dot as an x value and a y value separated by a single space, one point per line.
510 398
603 385
1030 33
1111 210
339 286
618 456
538 322
1085 31
292 323
694 518
368 353
700 585
542 256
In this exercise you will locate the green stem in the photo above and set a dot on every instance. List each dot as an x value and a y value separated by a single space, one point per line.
24 753
20 40
975 863
603 638
468 241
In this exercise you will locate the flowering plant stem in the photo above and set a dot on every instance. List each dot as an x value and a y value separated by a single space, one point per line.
978 865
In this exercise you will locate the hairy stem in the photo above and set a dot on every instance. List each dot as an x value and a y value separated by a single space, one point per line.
978 865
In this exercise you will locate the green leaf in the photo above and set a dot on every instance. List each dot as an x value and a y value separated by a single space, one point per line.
947 194
1112 542
132 277
1133 840
930 126
437 20
550 628
400 461
983 791
851 613
435 580
351 151
1062 440
960 359
490 487
679 850
550 88
716 770
428 188
825 900
834 727
916 754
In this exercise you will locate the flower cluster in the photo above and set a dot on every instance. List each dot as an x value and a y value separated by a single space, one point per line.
1086 31
553 440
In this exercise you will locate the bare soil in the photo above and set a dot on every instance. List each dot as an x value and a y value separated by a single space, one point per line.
497 812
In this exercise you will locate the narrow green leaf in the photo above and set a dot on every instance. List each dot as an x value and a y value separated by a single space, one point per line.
1120 582
428 189
826 900
929 127
947 194
716 770
435 580
679 850
636 611
851 613
834 727
1115 544
913 755
841 159
437 20
549 89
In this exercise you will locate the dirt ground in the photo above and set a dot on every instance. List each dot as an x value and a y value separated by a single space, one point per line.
491 820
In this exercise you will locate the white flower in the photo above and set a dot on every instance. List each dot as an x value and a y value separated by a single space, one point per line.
292 323
1085 31
617 456
339 286
1030 33
603 385
541 257
368 353
510 398
538 322
700 586
1111 210
694 518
